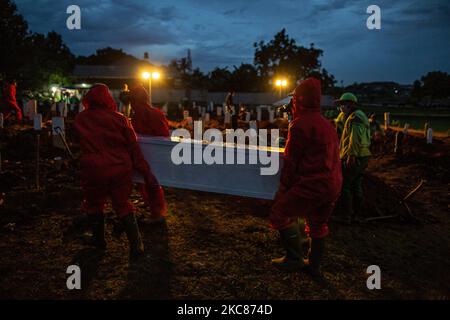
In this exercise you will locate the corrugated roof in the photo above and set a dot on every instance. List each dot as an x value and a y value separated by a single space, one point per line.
106 72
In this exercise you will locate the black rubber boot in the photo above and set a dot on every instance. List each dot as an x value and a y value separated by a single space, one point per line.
306 247
134 236
312 265
293 260
98 231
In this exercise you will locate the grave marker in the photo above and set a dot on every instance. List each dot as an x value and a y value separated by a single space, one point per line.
57 130
386 120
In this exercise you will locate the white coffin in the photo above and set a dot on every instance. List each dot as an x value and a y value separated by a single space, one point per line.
234 179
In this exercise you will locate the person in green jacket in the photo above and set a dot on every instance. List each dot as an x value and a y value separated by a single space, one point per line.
339 123
354 153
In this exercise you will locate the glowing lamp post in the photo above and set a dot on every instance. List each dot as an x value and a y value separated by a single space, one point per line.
149 76
281 84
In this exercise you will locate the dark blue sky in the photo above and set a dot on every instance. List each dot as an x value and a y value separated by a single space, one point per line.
414 38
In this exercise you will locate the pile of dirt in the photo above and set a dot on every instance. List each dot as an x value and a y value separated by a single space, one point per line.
216 246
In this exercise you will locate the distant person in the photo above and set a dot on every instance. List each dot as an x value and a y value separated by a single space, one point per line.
310 181
229 105
74 104
354 153
124 98
147 120
9 106
242 112
110 155
229 101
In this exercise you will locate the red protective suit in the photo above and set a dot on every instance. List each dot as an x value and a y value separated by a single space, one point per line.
9 102
311 178
147 120
150 121
110 153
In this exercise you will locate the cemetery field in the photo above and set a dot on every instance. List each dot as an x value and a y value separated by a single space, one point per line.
219 247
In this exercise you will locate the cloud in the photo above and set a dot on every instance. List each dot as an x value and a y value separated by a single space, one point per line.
413 39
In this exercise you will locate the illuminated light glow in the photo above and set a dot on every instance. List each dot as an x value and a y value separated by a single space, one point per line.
278 83
54 89
156 75
284 83
146 75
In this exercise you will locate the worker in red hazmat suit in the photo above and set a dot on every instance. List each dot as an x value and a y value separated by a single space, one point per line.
9 104
147 120
110 155
310 181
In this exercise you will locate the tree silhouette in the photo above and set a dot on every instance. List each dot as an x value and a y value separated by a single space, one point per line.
30 58
281 56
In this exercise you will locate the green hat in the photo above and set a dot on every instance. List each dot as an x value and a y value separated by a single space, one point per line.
347 97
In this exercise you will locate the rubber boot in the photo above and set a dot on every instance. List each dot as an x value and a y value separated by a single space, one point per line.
98 231
306 247
312 265
134 236
293 260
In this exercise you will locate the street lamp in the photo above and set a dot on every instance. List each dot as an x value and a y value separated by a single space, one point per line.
280 84
149 76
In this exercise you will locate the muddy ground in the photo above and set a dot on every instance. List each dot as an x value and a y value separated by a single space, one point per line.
219 247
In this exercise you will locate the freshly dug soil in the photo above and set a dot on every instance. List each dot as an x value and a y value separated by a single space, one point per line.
216 246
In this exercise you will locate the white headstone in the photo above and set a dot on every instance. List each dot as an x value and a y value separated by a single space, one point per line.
58 122
248 116
405 128
219 111
30 109
430 136
207 117
37 121
57 128
227 119
253 125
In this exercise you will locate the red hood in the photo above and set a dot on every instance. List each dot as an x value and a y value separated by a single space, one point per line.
139 98
99 97
307 97
9 92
